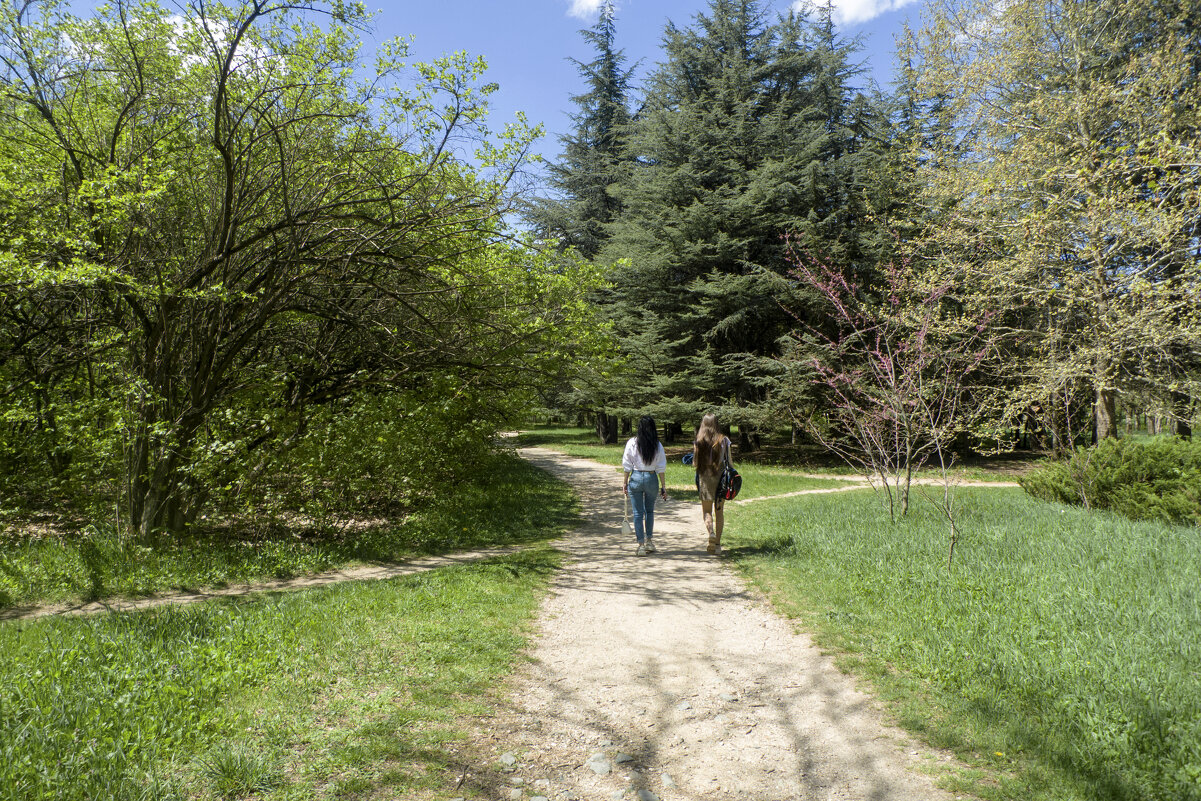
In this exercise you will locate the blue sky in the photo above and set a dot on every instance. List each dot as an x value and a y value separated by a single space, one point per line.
527 43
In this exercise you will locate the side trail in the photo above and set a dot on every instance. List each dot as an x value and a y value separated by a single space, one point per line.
663 677
372 572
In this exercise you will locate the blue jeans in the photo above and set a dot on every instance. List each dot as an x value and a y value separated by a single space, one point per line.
644 486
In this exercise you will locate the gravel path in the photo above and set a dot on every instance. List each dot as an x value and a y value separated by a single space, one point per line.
665 678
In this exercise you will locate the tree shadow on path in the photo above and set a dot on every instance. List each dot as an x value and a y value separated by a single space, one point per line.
671 661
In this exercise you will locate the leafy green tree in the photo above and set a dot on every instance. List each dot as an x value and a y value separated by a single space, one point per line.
1070 192
216 230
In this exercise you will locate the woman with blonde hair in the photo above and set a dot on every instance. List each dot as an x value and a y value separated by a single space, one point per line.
710 454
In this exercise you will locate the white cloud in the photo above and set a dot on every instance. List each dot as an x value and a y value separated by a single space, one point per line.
584 9
850 12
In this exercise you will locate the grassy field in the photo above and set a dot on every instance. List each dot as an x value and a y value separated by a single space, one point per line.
327 693
1060 656
95 563
336 692
758 480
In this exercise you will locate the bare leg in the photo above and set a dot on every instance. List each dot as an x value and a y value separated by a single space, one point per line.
715 539
707 512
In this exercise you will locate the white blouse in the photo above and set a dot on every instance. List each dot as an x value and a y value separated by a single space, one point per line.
631 460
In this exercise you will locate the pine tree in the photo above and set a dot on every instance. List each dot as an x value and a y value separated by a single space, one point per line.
593 152
581 206
749 131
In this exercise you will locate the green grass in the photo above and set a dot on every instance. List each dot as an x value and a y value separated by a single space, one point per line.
1060 656
505 504
757 480
325 693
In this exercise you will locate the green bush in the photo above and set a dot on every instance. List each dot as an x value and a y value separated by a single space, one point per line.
1156 480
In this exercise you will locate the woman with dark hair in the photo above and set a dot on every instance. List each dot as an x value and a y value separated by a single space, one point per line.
645 465
710 454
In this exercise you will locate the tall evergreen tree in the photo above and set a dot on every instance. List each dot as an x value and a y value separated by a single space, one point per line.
581 206
593 152
750 130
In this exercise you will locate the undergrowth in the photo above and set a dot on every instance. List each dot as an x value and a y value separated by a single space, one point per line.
506 502
1157 479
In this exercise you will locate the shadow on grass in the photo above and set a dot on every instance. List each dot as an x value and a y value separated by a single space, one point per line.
460 633
507 502
1059 749
1041 669
515 504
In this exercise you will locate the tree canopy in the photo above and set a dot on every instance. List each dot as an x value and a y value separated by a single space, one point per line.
215 228
1036 167
1068 196
750 128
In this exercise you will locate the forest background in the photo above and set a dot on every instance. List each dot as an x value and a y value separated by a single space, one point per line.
243 277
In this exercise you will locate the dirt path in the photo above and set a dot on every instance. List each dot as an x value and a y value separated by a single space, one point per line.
664 677
361 573
655 678
858 483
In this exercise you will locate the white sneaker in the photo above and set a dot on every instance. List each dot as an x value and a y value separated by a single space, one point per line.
641 551
650 546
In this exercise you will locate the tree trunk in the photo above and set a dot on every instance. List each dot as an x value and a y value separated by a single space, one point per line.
606 428
1182 408
672 432
748 439
157 501
158 498
1105 414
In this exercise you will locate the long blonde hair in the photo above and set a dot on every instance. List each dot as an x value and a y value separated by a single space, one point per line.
708 435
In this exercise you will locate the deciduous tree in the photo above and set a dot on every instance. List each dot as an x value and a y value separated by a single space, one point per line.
212 214
1071 190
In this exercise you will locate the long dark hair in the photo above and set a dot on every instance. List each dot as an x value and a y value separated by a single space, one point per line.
648 440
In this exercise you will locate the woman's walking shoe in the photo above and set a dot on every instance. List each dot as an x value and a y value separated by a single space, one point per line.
713 547
641 551
650 546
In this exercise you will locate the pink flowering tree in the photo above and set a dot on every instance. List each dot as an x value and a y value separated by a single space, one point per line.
898 370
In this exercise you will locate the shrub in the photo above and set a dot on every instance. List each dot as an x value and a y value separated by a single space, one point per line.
1156 480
